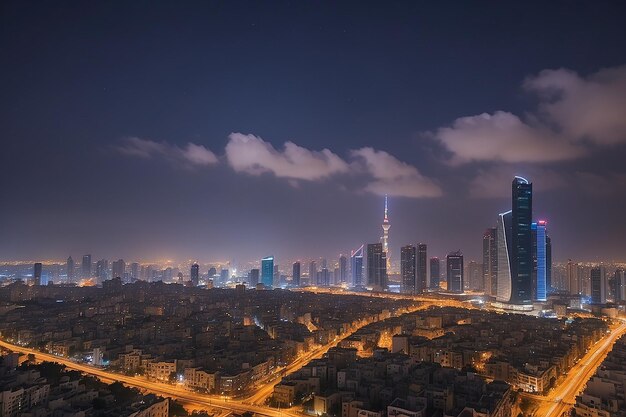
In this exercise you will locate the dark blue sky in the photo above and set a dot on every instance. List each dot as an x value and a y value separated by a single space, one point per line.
80 80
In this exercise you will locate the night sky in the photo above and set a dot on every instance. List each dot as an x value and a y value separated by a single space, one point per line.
234 130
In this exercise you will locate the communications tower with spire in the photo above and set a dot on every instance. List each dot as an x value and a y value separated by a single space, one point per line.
386 227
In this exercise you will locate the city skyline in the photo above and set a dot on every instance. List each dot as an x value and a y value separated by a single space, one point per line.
188 150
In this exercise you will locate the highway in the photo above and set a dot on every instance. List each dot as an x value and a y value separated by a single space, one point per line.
563 397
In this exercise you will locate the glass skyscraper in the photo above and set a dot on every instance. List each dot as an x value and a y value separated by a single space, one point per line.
267 271
420 268
407 268
376 267
540 259
356 260
454 266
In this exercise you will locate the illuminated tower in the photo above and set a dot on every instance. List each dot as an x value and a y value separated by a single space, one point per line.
386 227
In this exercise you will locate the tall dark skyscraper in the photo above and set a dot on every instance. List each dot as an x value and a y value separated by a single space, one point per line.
195 274
134 271
267 271
421 269
313 273
376 267
515 247
490 262
296 274
408 255
598 285
86 267
102 270
549 287
70 269
118 269
454 268
539 275
37 268
343 269
620 285
253 277
356 265
435 273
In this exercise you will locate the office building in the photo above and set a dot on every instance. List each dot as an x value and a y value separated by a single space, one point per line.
134 271
598 285
195 274
619 280
37 268
435 273
408 255
540 269
376 267
574 279
102 270
267 271
421 269
86 267
313 273
253 277
295 277
70 269
343 269
118 269
490 262
356 261
473 276
454 268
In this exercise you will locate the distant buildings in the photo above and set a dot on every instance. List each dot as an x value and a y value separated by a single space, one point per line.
407 268
421 268
118 269
37 268
267 271
295 277
376 267
598 285
86 267
490 262
356 261
620 285
343 269
70 269
435 273
195 274
454 267
253 277
313 273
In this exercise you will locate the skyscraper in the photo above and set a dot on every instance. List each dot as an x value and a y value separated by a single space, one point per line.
598 285
295 277
385 240
253 277
356 260
540 284
573 278
376 267
195 274
420 268
490 262
313 273
473 276
343 269
267 271
118 268
515 247
86 267
37 268
134 271
102 270
70 269
454 268
435 273
549 285
620 285
408 256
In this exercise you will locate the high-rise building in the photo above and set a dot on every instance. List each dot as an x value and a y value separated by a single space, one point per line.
323 277
573 278
224 276
118 269
540 285
195 274
376 267
253 277
620 285
473 276
385 239
343 269
356 261
408 256
295 277
435 273
313 273
37 268
515 247
454 268
549 284
212 272
267 271
598 285
86 267
102 270
421 269
490 262
134 271
70 269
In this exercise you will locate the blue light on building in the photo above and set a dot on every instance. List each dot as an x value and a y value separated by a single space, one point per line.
267 271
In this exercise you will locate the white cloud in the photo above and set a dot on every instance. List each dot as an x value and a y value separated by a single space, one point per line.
253 155
495 182
573 111
592 109
394 177
191 154
503 136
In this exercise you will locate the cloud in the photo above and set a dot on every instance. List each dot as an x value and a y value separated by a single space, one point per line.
253 155
495 182
190 155
572 112
503 136
592 109
394 177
